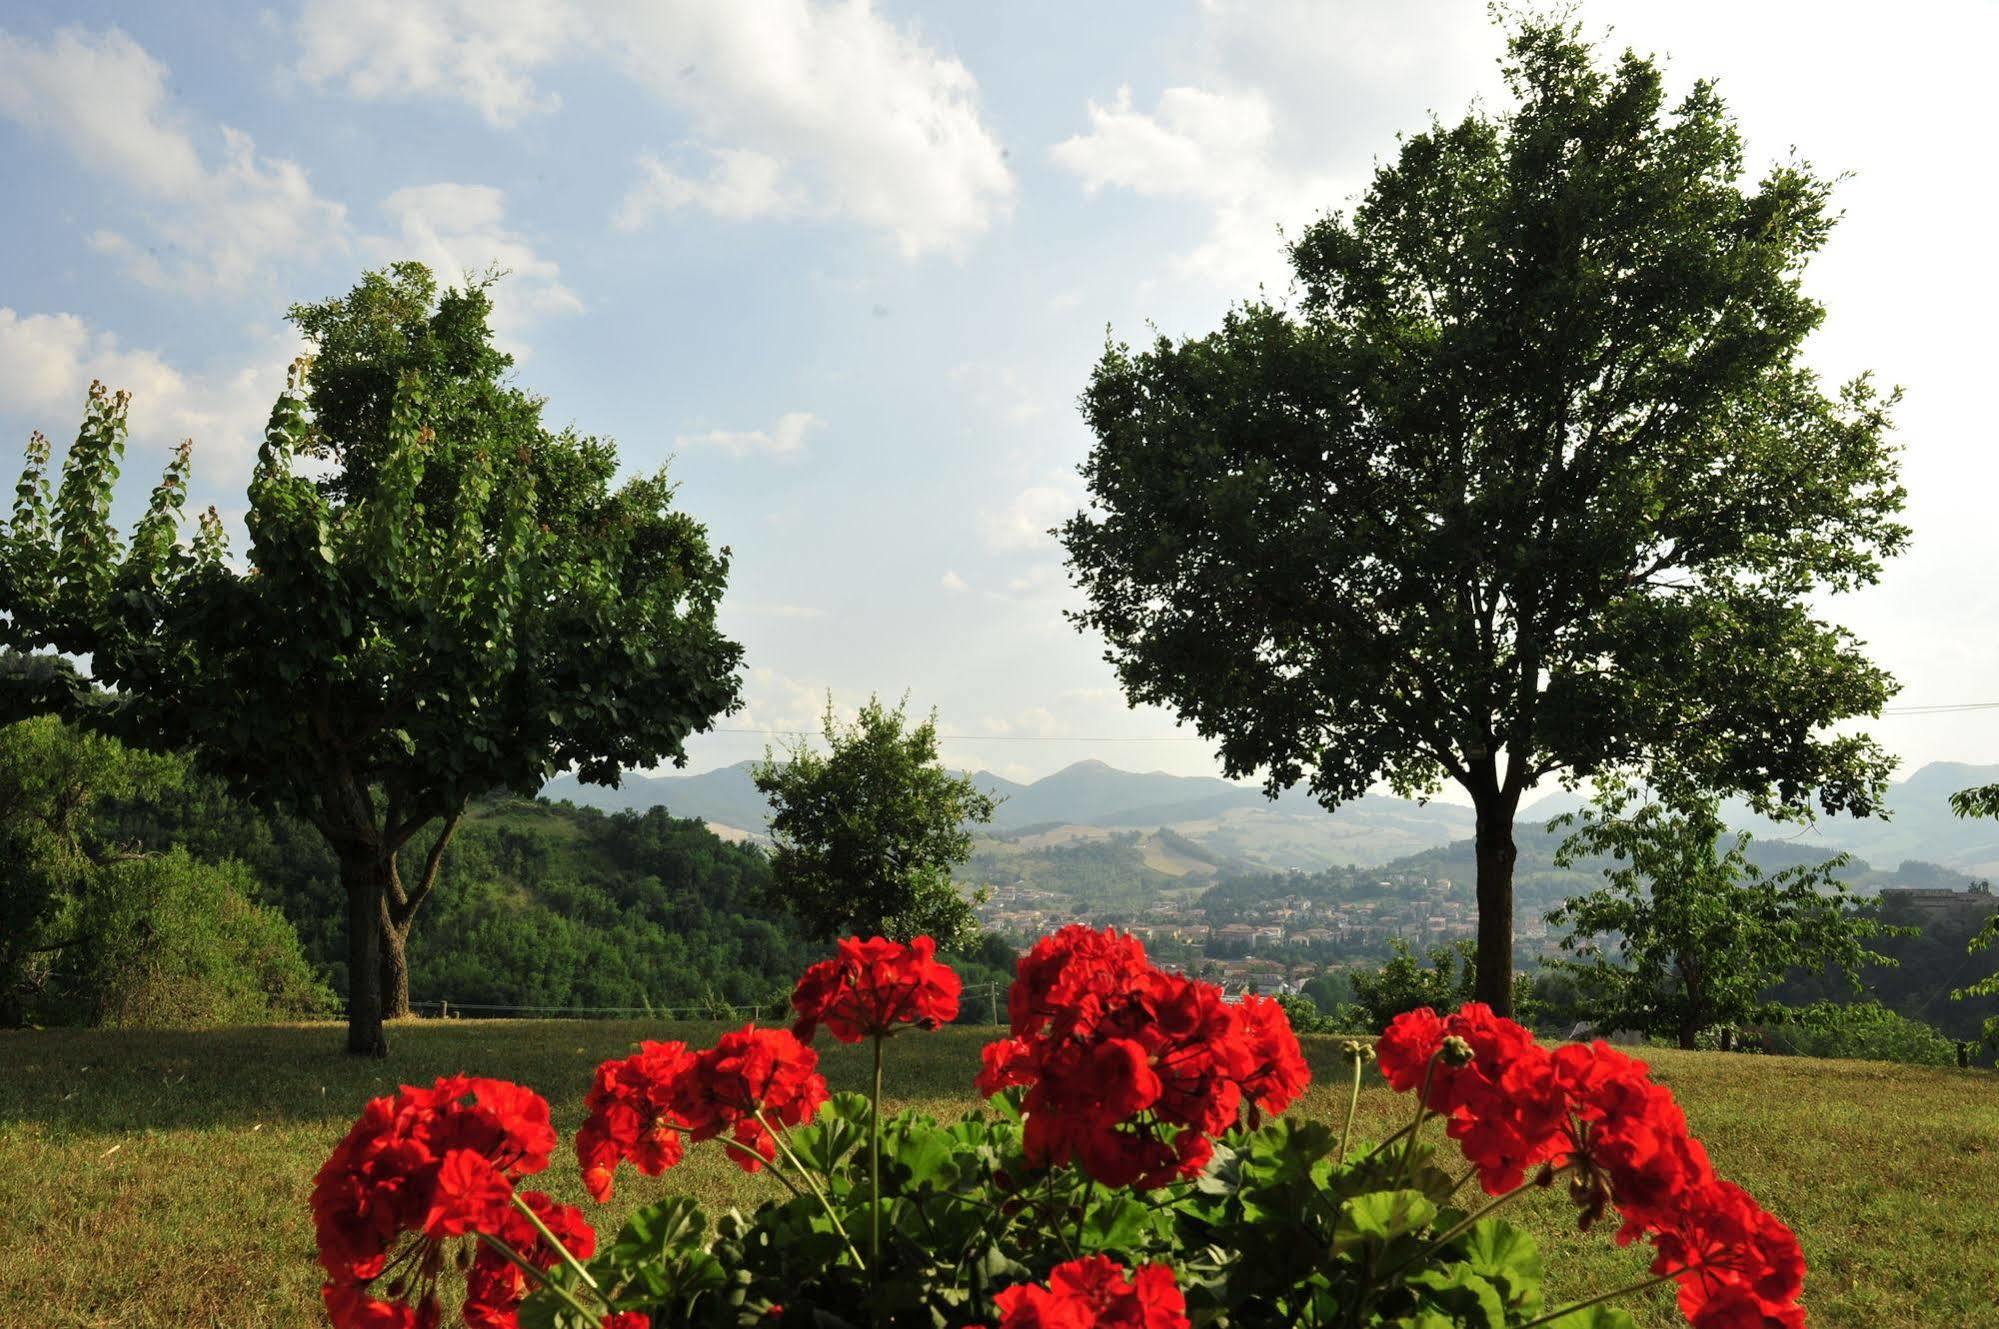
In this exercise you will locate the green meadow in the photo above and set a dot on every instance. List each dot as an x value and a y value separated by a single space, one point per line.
159 1179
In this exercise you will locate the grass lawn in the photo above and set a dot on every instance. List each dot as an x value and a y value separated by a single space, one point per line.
156 1179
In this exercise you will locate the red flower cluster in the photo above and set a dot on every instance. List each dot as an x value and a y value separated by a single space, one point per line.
632 1116
871 987
1132 1070
1094 1293
1513 1105
640 1106
749 1081
418 1170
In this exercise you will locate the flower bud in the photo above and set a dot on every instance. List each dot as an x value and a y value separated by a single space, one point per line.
1455 1051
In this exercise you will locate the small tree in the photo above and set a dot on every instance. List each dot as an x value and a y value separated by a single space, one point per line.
1700 934
869 830
1533 484
463 603
1403 984
1982 801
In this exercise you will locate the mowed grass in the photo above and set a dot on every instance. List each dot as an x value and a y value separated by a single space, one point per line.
160 1179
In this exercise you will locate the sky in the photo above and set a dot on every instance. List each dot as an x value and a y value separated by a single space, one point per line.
844 269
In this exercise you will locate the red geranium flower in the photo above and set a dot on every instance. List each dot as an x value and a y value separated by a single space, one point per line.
632 1117
872 987
750 1080
1513 1105
1094 1292
421 1169
1739 1261
1130 1070
495 1285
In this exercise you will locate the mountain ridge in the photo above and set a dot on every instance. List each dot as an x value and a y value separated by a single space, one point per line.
1238 823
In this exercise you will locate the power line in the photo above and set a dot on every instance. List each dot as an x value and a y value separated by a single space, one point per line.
1939 708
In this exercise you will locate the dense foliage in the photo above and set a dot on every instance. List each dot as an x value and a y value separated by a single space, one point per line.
1700 935
1133 1169
1865 1030
96 929
1533 483
1405 983
465 603
868 831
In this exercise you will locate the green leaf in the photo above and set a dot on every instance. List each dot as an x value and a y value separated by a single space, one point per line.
1509 1257
1115 1224
1385 1215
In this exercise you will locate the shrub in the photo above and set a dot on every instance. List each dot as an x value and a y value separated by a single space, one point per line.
1134 1169
1404 985
177 942
1866 1031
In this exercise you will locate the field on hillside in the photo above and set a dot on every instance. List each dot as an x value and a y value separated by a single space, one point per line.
159 1179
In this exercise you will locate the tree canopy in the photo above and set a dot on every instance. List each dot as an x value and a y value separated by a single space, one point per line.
1701 935
460 601
1530 482
869 830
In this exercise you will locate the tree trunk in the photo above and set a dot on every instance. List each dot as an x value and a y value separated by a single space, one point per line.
365 875
395 971
1496 854
1690 1036
400 901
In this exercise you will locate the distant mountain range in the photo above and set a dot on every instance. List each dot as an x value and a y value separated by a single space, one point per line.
1236 823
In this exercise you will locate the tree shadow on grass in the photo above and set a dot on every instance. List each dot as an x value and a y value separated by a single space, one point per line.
119 1081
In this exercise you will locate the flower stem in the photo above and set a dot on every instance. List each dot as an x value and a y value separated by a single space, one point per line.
832 1214
1353 1104
875 1165
563 1251
540 1276
1416 1126
763 1163
1477 1216
1625 1291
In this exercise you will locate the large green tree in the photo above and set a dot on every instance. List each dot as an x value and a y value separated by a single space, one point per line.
868 831
1531 483
1687 935
442 597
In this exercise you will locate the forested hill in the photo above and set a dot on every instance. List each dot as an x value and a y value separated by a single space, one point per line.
538 904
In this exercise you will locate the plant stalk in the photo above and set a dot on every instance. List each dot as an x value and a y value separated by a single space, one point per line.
1353 1104
1625 1291
875 1166
540 1276
561 1250
825 1202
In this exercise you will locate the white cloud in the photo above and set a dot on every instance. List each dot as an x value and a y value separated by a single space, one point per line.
740 186
1215 149
1023 524
457 229
47 362
209 224
782 439
820 108
953 582
885 129
482 52
998 391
